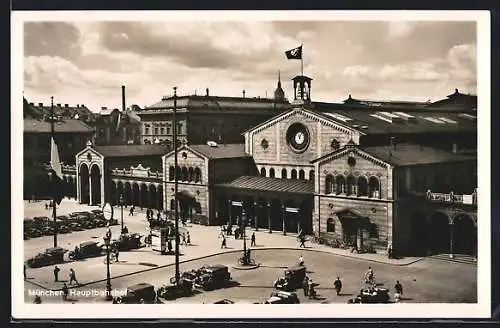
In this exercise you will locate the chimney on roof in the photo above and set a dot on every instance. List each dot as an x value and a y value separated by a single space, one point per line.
40 104
104 108
456 90
123 98
77 105
66 105
58 105
208 92
243 93
32 104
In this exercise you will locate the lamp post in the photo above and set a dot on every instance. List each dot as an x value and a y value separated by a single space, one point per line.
121 206
107 240
244 229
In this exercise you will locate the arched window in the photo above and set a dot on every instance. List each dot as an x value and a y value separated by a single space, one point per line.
283 174
351 185
178 173
302 175
340 184
294 174
190 174
184 174
171 173
271 172
330 225
197 175
311 175
329 184
374 187
263 172
362 186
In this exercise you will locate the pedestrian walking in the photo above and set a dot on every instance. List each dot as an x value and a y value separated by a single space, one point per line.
369 276
169 245
311 289
223 245
399 291
158 215
117 253
108 233
37 300
46 206
72 277
188 238
65 292
301 260
183 236
253 240
131 211
302 241
56 273
305 286
338 285
24 271
389 251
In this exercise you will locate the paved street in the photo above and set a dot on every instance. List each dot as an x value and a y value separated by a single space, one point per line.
424 280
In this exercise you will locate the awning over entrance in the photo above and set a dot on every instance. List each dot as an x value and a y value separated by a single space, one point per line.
271 185
352 215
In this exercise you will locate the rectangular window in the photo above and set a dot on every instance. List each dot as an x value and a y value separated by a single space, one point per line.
146 131
179 128
162 130
169 130
156 130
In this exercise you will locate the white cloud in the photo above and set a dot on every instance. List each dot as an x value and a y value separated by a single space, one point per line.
399 29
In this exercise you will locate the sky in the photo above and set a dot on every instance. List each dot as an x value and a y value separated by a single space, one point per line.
87 62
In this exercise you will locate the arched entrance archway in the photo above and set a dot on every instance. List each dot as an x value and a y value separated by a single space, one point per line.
144 199
113 195
419 231
84 184
186 205
465 234
153 196
291 218
135 194
95 180
120 191
127 194
439 233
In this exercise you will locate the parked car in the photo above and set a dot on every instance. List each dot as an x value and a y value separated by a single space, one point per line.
173 290
87 249
143 291
292 279
63 224
371 295
51 256
282 297
213 277
98 218
30 229
224 301
127 242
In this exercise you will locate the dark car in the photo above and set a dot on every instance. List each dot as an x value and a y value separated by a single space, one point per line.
99 219
63 224
87 249
45 225
224 301
137 294
212 277
173 290
282 297
127 242
292 279
51 256
372 295
30 229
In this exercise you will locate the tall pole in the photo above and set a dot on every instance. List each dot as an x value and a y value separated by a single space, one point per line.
52 136
121 205
243 223
301 61
108 275
174 122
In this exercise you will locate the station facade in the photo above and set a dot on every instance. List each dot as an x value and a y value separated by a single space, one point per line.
363 177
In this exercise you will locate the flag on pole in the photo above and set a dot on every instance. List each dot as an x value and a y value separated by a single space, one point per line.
295 53
118 121
57 177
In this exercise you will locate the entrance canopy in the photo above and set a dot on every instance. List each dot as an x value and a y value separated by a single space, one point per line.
352 215
265 184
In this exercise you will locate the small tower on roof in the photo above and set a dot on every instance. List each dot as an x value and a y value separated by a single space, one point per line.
302 89
279 94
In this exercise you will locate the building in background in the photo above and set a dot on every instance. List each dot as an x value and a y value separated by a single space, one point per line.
115 127
62 112
208 118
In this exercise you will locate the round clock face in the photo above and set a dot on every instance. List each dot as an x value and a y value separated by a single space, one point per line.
298 137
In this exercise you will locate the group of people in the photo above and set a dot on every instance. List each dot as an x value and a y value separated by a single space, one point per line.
227 230
72 275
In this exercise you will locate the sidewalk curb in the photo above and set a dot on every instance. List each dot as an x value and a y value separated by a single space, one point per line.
216 254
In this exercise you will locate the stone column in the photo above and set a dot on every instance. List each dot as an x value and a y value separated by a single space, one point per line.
360 238
90 189
269 217
149 196
299 218
451 241
132 194
283 217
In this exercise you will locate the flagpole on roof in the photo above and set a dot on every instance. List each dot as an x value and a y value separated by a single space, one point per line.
52 140
301 61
